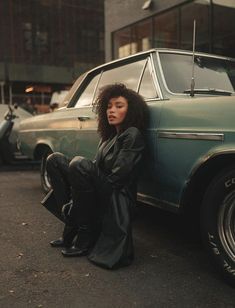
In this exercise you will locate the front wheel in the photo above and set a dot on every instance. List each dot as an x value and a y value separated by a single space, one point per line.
218 222
45 180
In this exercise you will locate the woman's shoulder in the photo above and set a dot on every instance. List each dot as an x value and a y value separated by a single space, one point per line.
131 134
133 131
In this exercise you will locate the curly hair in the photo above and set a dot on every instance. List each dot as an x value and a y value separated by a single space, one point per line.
137 112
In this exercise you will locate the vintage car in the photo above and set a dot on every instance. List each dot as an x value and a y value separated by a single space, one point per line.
190 165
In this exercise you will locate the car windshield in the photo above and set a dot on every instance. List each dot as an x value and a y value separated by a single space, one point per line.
212 75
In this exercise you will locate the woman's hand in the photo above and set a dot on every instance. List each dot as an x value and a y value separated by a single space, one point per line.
66 210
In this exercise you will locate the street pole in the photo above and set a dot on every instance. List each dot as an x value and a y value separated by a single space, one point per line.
2 92
10 93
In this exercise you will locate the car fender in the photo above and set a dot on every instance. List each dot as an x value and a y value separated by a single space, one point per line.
203 171
40 147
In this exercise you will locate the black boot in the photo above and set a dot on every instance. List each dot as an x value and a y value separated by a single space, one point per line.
82 243
69 234
57 243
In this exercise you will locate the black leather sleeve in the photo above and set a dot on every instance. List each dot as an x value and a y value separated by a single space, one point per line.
131 145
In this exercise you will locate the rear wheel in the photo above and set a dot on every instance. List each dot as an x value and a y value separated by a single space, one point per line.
45 180
218 222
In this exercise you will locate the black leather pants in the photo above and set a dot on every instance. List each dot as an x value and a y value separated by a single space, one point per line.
78 180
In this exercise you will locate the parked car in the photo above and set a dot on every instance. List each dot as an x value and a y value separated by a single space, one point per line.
9 125
190 166
57 99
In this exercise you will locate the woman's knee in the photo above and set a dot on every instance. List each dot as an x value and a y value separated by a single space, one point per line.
55 159
80 164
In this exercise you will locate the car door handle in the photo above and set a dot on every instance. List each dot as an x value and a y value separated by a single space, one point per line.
83 118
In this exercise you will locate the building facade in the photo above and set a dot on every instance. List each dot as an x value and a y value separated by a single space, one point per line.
137 25
46 44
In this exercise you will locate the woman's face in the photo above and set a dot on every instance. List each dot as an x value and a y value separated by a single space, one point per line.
116 111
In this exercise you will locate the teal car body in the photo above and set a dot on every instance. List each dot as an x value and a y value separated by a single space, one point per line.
190 137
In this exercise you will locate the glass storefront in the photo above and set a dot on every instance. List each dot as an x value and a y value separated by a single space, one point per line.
122 43
166 30
133 39
224 27
215 30
200 11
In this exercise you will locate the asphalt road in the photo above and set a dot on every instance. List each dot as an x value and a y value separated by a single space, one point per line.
171 269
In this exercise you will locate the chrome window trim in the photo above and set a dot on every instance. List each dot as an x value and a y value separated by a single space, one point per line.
155 78
124 59
94 91
142 74
188 52
151 63
164 80
71 99
191 136
96 87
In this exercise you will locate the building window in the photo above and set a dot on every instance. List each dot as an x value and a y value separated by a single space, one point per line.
142 36
28 42
133 39
122 43
224 28
198 10
166 30
215 29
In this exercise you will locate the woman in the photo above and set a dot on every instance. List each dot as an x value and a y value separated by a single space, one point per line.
102 191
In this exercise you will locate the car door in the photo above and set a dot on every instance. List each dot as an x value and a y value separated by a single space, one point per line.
150 90
87 137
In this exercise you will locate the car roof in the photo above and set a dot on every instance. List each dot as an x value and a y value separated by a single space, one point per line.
159 50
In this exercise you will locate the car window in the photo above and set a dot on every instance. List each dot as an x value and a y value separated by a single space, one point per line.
86 98
209 73
147 87
129 74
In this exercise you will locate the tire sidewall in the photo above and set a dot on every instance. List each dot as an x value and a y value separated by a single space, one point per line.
220 187
44 184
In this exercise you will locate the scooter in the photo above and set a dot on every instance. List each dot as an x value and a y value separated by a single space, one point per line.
6 152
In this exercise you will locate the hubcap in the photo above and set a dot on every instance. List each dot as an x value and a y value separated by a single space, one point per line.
226 225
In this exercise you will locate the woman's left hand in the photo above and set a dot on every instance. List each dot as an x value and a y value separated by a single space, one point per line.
66 210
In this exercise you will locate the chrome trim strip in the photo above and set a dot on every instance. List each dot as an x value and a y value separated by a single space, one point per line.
192 136
152 100
48 130
162 204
